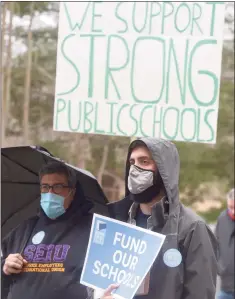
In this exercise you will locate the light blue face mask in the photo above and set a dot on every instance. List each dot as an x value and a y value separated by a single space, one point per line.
52 204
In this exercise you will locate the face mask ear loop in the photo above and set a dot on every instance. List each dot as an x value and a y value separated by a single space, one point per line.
69 193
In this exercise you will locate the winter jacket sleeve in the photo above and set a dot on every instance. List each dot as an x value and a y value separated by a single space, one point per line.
217 229
217 234
6 279
200 263
218 250
14 243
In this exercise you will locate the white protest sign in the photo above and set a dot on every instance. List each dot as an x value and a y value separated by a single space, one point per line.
139 69
119 253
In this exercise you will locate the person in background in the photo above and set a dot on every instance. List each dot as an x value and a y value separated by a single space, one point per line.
225 233
186 267
43 257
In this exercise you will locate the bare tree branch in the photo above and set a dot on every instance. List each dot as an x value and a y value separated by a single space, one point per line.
103 163
7 92
3 26
27 89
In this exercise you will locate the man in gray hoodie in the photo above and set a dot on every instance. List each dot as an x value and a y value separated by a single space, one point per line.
186 267
225 233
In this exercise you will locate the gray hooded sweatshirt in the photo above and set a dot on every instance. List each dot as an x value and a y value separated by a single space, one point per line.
195 276
225 233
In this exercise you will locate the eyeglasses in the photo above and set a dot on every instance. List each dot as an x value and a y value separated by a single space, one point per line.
57 188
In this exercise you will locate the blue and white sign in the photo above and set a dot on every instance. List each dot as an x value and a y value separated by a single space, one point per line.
119 253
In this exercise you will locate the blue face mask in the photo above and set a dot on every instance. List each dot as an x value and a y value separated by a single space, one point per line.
52 204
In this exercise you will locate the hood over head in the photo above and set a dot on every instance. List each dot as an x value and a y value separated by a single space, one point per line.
166 157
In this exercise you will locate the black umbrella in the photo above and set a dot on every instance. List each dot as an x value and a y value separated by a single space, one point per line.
20 190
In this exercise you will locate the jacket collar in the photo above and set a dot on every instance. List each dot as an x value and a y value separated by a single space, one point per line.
158 216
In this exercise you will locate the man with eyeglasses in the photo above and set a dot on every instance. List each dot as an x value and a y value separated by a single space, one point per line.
43 257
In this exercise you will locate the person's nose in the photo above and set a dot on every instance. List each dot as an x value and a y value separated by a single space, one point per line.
51 189
137 164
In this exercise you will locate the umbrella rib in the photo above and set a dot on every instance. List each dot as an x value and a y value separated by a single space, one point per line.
15 212
19 164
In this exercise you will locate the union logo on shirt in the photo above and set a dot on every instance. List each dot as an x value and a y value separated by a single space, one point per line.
45 258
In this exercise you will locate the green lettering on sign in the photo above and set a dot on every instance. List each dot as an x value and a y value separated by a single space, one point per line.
202 72
172 137
138 40
120 18
183 124
76 25
78 116
72 64
119 118
60 106
109 69
95 15
88 109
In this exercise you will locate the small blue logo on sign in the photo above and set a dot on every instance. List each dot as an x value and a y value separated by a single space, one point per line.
172 258
100 233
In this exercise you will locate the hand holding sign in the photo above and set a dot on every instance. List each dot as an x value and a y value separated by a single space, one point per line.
108 292
119 253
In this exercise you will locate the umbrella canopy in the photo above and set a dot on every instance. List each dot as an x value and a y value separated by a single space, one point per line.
20 190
